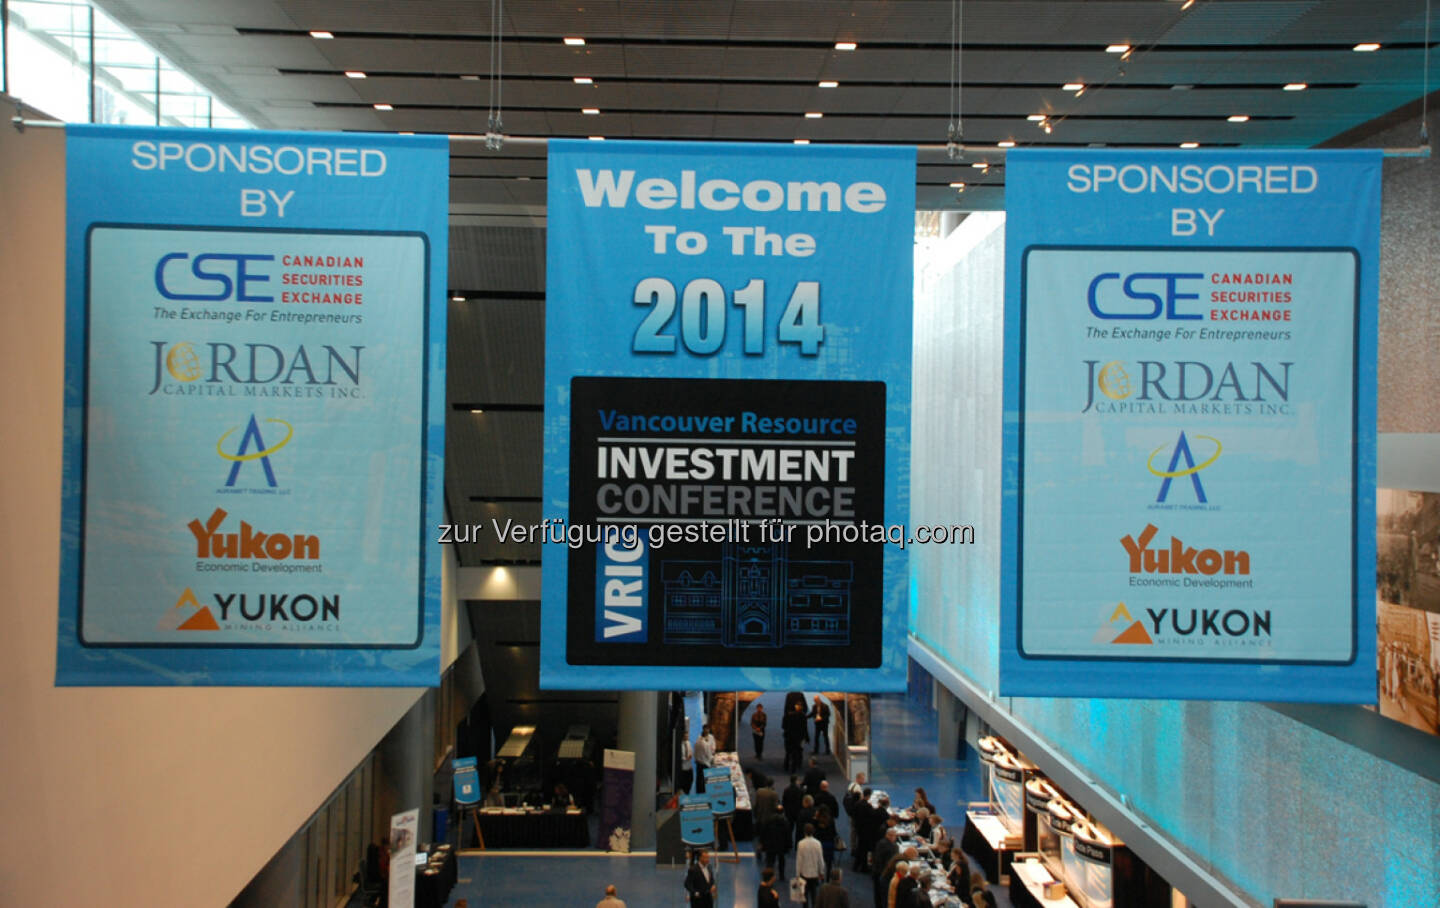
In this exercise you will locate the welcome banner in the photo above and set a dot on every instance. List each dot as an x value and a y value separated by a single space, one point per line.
254 393
727 409
1190 424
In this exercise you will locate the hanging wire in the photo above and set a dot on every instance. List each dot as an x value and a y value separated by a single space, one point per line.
955 134
1425 83
495 126
1132 55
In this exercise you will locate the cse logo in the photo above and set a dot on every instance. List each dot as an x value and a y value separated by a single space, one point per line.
1141 296
211 277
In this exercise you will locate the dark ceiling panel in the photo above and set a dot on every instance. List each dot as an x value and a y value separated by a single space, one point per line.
497 260
495 346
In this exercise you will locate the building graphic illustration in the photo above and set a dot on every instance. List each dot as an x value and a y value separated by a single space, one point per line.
756 597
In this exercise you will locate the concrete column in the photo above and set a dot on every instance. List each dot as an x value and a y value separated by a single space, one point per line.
406 767
950 716
639 719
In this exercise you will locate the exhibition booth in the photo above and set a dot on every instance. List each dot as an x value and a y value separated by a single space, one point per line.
1047 849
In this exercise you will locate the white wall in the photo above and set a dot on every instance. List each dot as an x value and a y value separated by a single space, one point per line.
123 796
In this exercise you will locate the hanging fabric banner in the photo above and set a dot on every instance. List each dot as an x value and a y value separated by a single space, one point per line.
404 828
726 420
255 337
1190 424
617 800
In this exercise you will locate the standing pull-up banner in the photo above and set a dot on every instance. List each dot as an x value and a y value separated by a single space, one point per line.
727 412
1190 424
255 339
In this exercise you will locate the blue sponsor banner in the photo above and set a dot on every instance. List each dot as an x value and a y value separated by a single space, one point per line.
722 797
466 782
697 822
1190 424
255 340
727 414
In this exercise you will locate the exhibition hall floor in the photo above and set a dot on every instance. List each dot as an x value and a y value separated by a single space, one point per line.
903 740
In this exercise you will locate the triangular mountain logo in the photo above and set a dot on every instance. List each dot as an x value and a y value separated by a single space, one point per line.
1133 630
1135 633
189 615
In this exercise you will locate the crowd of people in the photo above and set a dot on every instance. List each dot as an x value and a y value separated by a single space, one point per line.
803 819
797 827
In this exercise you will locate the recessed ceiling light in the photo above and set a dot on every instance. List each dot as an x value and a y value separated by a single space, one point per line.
457 298
1238 118
383 107
523 179
325 36
958 187
407 132
1117 49
813 115
981 165
1035 118
1189 144
597 138
575 42
802 141
1006 143
584 80
469 78
845 45
477 411
1184 86
592 111
354 74
1072 86
1296 86
828 83
1366 47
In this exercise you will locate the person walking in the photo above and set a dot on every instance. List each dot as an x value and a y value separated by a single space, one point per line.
823 798
795 732
774 835
813 777
826 832
832 894
758 721
766 896
885 850
821 715
611 899
700 882
810 864
791 800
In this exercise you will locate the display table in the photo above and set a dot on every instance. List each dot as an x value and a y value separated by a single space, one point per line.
434 882
744 823
988 841
1027 886
518 828
939 892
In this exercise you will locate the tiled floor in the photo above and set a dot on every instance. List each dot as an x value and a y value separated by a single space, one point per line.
904 757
